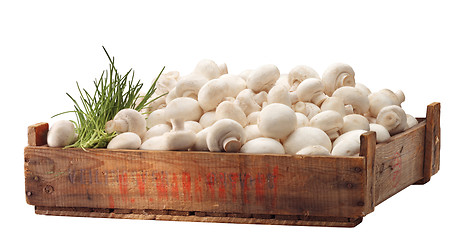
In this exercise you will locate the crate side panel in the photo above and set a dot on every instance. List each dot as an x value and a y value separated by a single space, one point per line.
195 181
399 162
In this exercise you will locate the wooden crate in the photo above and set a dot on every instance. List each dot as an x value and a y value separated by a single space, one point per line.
226 187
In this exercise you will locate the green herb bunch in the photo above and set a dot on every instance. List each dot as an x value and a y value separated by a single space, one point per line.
113 92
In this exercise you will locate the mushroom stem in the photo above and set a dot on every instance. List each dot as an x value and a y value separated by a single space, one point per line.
231 144
116 125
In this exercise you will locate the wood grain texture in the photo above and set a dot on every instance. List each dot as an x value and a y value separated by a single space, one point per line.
196 181
37 134
399 162
432 142
148 215
368 150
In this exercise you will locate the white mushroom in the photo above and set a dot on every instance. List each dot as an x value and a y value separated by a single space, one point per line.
156 117
354 134
302 120
263 78
252 118
364 89
354 97
304 137
277 121
334 103
207 119
384 98
252 132
308 109
260 98
207 68
336 76
263 145
329 121
283 81
298 74
347 147
157 143
246 101
393 118
127 140
311 90
235 84
200 141
279 94
193 126
225 135
230 110
189 86
61 134
354 122
170 96
179 138
166 82
156 130
212 93
127 120
411 121
382 134
317 150
184 107
223 69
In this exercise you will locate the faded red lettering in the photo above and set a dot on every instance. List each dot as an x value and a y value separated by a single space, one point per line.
198 192
259 188
222 194
174 187
244 178
141 184
122 183
234 180
210 180
186 186
161 185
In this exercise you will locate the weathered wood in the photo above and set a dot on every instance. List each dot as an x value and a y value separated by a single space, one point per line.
432 142
144 215
37 134
368 150
399 162
195 181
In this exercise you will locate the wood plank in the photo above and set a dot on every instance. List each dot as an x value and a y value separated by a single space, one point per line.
325 222
399 162
368 150
37 134
196 181
432 142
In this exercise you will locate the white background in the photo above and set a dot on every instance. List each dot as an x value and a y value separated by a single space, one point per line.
46 46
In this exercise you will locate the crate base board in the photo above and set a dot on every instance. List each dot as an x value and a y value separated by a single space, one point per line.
198 217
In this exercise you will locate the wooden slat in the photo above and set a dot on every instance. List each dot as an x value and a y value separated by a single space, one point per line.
317 221
37 134
432 142
196 181
368 150
399 162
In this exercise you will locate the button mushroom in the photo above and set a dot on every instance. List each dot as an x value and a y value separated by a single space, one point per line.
317 150
127 120
304 137
329 121
212 93
156 117
246 101
225 135
252 132
200 141
207 68
354 122
335 104
189 86
230 110
411 121
61 134
308 109
179 138
279 94
382 134
263 78
393 118
156 130
311 90
263 145
354 97
127 140
336 76
277 121
207 119
298 74
184 107
348 144
383 98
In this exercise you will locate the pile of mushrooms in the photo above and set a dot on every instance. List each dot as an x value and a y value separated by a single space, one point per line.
261 111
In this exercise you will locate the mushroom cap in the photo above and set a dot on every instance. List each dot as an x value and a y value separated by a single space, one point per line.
364 89
156 130
235 84
354 122
127 140
220 134
263 78
170 96
329 121
311 90
61 134
180 140
223 69
193 126
347 147
246 101
335 104
127 120
411 121
183 107
283 81
166 82
304 137
200 141
338 75
354 134
158 143
156 117
381 99
279 94
207 68
354 97
227 109
252 118
207 119
317 150
252 132
302 120
189 86
212 93
382 134
263 145
298 74
393 118
308 109
277 121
